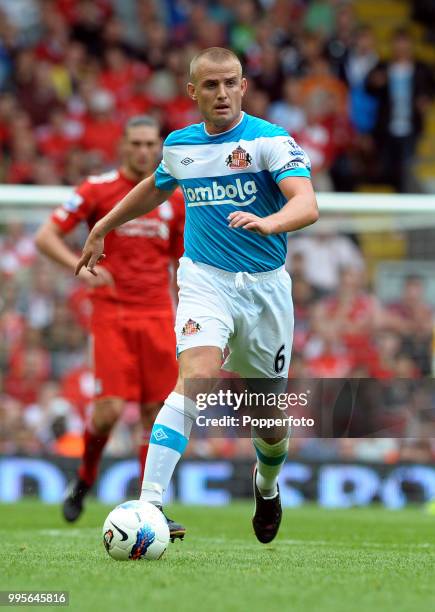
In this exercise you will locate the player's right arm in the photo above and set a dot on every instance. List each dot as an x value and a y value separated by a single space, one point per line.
142 199
50 240
50 237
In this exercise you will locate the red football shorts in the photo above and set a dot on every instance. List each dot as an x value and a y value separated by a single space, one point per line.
134 360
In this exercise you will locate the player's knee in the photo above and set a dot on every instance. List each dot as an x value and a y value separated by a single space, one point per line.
106 413
197 378
197 369
200 362
201 371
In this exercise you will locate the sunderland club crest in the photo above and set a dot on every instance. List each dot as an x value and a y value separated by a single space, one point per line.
239 159
190 327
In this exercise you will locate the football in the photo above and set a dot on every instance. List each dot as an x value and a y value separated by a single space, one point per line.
135 530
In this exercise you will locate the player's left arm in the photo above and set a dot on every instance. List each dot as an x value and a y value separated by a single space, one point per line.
299 211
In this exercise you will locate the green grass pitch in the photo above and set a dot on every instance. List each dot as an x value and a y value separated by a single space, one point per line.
323 560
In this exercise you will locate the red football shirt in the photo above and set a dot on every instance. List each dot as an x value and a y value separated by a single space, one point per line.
138 253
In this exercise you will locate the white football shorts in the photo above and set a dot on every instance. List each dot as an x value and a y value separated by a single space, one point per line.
252 314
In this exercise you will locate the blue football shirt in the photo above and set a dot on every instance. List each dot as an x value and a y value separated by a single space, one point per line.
239 169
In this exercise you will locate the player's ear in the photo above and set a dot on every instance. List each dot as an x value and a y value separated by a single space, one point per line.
191 91
243 86
122 144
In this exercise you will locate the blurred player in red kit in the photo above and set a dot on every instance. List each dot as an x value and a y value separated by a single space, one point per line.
132 325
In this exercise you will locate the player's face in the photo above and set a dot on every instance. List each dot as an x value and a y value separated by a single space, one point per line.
218 89
141 149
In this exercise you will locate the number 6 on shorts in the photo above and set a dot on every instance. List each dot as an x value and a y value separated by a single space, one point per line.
279 362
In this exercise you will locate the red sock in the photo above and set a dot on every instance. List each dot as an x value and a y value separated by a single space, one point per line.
143 452
94 445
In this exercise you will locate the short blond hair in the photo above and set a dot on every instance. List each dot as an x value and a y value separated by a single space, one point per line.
213 54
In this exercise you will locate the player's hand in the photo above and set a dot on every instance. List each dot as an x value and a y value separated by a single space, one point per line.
92 254
250 222
101 278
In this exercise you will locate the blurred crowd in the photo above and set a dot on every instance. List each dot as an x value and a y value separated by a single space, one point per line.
71 71
342 330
